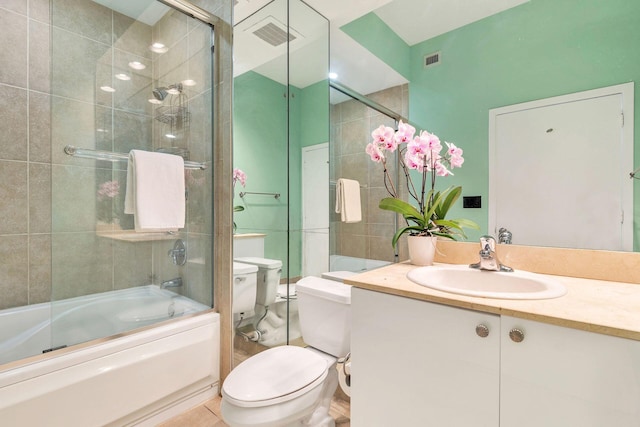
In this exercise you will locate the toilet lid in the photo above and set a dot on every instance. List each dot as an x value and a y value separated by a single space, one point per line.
274 373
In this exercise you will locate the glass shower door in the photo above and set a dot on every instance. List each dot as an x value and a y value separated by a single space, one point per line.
137 76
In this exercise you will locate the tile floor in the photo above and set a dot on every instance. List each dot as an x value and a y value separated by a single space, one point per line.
208 414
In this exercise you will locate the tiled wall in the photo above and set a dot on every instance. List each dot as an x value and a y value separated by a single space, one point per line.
351 125
55 58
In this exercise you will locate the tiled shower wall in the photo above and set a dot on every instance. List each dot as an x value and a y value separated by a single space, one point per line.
351 125
52 219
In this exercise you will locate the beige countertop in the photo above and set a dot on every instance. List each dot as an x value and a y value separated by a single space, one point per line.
611 308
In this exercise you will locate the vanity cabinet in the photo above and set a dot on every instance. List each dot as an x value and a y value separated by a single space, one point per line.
416 363
421 364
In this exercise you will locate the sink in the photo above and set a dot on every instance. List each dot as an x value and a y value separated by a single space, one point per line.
460 279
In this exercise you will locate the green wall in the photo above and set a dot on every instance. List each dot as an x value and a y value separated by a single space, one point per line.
540 49
260 149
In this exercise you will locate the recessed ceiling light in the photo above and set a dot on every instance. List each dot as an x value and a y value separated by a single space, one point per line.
158 47
170 136
189 82
173 91
155 101
333 76
137 65
123 76
107 89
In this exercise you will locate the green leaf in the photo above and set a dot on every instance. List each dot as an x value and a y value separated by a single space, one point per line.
403 230
238 208
409 212
450 195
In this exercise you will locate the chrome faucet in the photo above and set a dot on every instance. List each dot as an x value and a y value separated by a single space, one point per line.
173 283
488 257
504 236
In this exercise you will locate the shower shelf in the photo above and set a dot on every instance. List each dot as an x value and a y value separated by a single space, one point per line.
173 114
109 156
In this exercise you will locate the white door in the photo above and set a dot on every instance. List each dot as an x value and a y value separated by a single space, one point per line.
315 209
559 170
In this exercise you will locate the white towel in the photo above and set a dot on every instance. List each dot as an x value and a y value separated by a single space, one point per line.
155 191
348 200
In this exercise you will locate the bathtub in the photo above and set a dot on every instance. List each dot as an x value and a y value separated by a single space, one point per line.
139 378
357 265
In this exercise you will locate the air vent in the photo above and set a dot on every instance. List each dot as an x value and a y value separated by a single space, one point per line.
273 34
431 59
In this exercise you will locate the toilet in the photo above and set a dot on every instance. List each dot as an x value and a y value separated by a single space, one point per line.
271 308
292 386
244 290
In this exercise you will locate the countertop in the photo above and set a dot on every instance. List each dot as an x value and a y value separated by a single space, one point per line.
605 307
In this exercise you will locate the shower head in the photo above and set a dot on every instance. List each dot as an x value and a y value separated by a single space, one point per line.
160 93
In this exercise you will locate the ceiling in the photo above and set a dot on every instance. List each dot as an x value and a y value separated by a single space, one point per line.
413 20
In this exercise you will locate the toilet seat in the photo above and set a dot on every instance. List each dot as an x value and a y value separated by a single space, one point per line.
274 376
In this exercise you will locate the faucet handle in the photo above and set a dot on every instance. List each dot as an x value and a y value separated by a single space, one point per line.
487 245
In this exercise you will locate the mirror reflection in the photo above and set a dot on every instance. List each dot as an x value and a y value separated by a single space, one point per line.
280 118
526 51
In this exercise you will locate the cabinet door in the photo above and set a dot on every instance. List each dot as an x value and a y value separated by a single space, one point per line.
421 364
562 377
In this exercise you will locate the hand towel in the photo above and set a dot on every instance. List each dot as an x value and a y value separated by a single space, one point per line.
155 191
348 200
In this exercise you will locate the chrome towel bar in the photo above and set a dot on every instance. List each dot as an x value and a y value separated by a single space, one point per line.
109 156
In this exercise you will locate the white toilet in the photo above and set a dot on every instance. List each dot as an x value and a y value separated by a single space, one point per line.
244 290
293 386
271 309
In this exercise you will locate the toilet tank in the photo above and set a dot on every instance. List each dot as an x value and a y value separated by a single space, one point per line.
244 287
268 279
324 307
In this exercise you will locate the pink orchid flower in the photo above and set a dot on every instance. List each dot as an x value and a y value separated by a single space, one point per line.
239 176
374 152
405 133
382 135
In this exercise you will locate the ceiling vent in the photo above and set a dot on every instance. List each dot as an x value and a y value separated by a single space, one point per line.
431 59
273 34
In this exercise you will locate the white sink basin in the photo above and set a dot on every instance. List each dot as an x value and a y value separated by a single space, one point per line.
460 279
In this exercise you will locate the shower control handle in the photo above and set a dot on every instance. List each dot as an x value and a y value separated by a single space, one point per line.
178 254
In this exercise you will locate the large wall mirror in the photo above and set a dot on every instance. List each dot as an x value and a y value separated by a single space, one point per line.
521 51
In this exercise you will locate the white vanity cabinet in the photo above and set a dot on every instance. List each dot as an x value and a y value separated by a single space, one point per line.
422 364
416 363
564 377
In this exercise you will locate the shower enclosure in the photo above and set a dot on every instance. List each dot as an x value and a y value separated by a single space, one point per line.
362 245
81 84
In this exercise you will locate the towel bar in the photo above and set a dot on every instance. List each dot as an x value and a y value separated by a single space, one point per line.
244 193
109 156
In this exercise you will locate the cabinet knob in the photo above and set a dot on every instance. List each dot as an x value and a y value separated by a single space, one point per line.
482 330
516 335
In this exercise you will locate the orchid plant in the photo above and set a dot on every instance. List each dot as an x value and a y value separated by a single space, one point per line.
421 153
241 177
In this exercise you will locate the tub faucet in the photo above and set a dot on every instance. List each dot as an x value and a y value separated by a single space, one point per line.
488 257
173 283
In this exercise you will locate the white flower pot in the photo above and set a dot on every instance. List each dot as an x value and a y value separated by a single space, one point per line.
422 249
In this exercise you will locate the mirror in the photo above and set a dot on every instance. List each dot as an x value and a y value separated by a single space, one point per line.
281 107
537 49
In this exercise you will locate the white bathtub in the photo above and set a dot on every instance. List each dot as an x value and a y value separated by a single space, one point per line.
136 378
356 265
